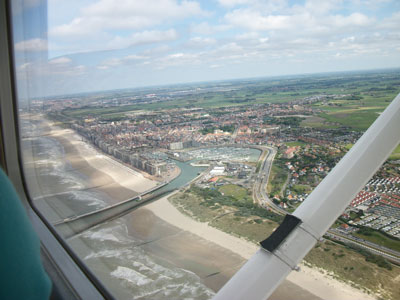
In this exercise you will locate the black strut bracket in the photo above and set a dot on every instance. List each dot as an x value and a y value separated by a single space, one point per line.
272 242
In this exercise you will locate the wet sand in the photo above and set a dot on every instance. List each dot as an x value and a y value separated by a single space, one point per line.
212 263
99 180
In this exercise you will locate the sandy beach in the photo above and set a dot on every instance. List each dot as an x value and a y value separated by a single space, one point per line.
106 174
120 182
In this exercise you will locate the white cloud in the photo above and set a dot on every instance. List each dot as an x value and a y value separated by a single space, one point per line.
60 60
254 20
199 42
58 67
108 15
76 28
24 66
252 38
157 50
135 57
31 45
297 21
370 4
230 3
248 35
112 62
390 23
355 19
205 28
127 60
321 7
179 59
262 5
349 39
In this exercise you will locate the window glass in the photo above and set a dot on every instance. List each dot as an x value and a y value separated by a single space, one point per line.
164 139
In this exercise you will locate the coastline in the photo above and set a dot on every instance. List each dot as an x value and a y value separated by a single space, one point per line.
106 174
120 182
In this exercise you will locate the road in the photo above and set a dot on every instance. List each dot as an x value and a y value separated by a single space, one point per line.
259 191
389 254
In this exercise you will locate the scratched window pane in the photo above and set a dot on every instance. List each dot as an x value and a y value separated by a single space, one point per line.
164 139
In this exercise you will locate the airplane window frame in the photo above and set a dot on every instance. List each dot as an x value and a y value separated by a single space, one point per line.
76 277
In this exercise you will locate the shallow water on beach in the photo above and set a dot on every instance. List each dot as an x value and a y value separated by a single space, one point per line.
130 270
53 182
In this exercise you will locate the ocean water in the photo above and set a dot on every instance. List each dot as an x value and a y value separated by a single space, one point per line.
55 187
131 272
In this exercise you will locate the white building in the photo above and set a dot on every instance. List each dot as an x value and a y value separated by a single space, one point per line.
217 171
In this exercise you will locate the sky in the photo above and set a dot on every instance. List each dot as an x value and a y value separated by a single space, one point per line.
64 47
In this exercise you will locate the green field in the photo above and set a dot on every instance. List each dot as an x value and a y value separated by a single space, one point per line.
396 153
235 191
99 111
358 119
294 144
380 239
359 114
394 156
277 178
301 188
349 146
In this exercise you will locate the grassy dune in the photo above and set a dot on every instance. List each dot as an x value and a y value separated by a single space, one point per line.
349 266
